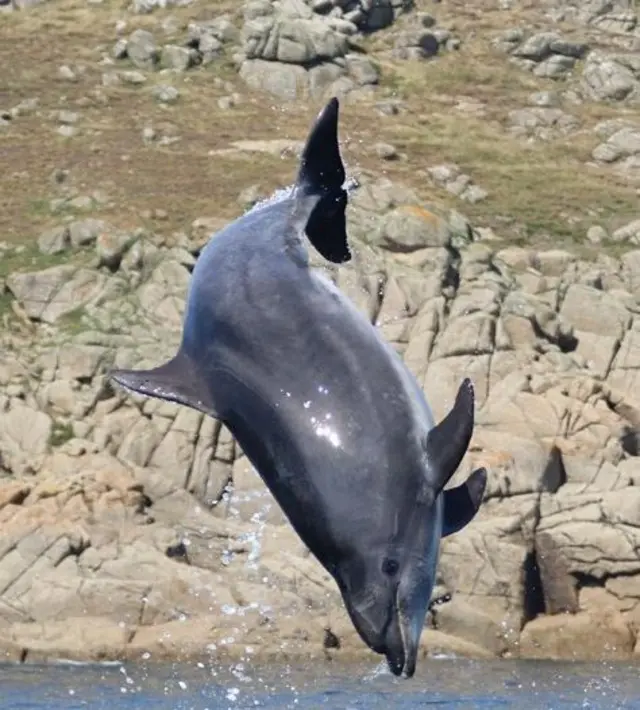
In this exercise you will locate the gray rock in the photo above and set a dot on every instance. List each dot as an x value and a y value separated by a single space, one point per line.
112 78
83 232
285 81
322 77
596 234
605 76
555 67
339 24
544 99
79 362
144 7
54 240
616 16
131 77
618 145
25 108
292 40
456 182
362 70
119 50
474 193
542 123
66 72
68 117
537 47
142 49
221 29
24 438
623 150
406 229
593 311
416 44
111 247
166 94
210 48
385 151
629 233
577 50
177 58
47 295
254 9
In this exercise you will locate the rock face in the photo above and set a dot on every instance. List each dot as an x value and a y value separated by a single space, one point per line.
48 295
143 523
294 49
612 77
620 147
546 54
615 16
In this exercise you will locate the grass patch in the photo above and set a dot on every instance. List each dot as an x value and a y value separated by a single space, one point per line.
29 258
73 322
61 432
544 189
5 303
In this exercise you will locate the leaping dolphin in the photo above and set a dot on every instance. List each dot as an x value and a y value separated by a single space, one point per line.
324 409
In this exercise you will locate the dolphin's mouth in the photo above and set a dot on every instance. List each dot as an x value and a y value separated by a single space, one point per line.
405 663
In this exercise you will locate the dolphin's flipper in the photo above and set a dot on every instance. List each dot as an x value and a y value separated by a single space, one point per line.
462 503
175 381
321 198
447 442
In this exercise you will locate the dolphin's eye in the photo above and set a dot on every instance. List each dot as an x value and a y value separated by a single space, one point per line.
390 567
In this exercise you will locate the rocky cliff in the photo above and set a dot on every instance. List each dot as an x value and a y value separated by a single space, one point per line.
135 528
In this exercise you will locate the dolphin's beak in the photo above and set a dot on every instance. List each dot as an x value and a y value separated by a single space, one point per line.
410 644
411 610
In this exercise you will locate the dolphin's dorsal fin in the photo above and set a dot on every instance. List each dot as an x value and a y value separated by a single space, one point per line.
462 503
175 381
447 442
320 198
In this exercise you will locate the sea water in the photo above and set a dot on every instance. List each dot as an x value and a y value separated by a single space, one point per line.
438 683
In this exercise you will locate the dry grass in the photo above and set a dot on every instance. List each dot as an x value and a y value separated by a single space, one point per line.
543 189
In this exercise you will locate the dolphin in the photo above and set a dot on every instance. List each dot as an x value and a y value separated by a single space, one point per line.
324 409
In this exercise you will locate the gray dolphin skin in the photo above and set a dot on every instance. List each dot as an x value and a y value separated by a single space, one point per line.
324 409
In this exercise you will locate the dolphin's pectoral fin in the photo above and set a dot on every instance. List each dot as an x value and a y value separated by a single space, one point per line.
320 197
447 442
175 381
462 503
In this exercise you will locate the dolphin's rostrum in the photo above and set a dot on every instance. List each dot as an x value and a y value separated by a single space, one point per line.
325 410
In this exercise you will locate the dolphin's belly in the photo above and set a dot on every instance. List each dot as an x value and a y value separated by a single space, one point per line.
334 440
318 402
332 483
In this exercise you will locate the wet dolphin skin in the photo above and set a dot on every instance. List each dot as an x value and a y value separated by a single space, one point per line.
324 409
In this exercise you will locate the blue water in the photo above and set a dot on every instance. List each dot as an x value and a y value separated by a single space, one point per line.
437 684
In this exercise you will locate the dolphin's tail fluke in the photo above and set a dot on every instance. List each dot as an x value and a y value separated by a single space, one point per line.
321 197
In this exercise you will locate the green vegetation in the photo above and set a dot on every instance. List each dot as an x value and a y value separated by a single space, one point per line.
29 258
73 322
61 432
